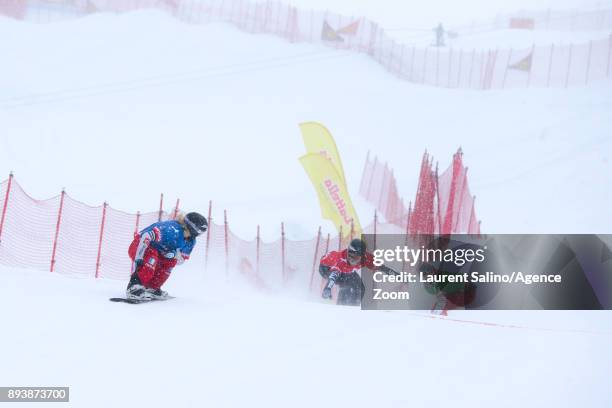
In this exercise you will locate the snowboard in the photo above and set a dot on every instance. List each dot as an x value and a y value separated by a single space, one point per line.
138 301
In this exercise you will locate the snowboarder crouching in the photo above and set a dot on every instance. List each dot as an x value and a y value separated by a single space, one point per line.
157 249
342 268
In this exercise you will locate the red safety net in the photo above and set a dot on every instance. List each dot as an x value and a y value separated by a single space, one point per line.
63 235
560 65
443 203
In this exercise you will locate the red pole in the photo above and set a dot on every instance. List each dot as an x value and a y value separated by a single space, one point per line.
406 238
382 187
352 230
471 214
226 243
314 260
340 239
5 205
459 68
176 208
483 68
438 201
506 70
530 66
57 228
283 251
492 70
588 67
550 60
100 241
161 206
437 65
412 63
136 232
569 65
401 63
391 56
258 246
372 176
326 251
137 223
208 234
461 200
363 174
471 68
450 66
375 222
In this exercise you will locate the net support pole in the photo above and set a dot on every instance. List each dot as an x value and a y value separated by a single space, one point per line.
208 235
326 251
258 249
530 66
588 65
375 227
57 230
506 69
550 62
569 65
161 206
406 239
471 68
373 169
226 242
5 205
450 67
136 227
176 209
314 259
438 66
424 66
100 240
284 277
413 55
400 70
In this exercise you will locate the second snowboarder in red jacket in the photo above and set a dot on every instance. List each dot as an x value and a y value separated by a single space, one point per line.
342 268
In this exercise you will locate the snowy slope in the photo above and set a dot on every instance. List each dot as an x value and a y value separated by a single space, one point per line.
226 347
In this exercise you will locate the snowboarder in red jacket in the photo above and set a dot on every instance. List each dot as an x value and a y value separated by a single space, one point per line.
342 268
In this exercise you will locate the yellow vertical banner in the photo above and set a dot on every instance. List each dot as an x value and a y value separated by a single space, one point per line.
318 140
336 204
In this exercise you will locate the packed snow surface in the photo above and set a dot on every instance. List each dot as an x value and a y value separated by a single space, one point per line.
222 345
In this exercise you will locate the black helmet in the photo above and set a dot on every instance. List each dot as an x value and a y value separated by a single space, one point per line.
195 223
357 247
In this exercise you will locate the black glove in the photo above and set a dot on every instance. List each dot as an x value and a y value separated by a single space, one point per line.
330 284
327 294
